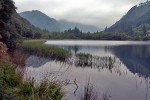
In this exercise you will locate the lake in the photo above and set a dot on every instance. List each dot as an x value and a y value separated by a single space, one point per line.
120 69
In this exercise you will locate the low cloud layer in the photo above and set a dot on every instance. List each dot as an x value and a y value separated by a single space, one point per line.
100 13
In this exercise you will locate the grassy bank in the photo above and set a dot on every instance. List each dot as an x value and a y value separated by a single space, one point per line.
37 47
12 87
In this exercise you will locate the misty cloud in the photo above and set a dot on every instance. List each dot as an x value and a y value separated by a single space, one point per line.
100 13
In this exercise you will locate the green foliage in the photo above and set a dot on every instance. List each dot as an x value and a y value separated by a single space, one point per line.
12 87
135 17
83 55
42 91
8 35
141 30
13 27
68 34
77 34
110 36
24 28
7 9
37 35
9 81
37 47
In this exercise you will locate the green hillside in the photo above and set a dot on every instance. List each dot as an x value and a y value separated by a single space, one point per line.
17 28
137 18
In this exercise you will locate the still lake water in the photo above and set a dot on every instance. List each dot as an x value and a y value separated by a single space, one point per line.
122 69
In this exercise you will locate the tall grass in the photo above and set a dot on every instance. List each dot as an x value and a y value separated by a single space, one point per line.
88 60
90 93
42 91
37 47
9 81
12 87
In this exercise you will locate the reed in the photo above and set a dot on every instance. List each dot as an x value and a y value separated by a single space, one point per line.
38 48
90 93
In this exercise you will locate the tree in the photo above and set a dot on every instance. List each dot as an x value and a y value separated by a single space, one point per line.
28 34
7 8
76 30
144 29
105 29
37 35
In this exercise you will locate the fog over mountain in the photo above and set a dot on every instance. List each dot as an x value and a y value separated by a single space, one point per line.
65 25
41 20
99 13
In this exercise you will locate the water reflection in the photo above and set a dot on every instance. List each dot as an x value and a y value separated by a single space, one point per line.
95 62
123 70
135 57
34 61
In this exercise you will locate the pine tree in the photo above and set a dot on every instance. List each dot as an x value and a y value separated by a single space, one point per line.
106 29
144 29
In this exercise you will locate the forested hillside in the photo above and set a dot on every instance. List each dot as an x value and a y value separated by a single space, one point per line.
135 22
13 27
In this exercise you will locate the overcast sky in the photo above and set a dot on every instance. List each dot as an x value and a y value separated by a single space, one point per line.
100 13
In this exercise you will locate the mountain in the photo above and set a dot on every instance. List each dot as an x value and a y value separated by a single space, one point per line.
13 27
17 28
65 25
19 24
43 21
24 28
137 16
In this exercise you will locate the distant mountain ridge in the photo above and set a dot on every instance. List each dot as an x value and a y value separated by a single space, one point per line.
136 16
65 25
43 21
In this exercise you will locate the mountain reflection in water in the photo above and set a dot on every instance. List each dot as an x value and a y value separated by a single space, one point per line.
123 70
135 57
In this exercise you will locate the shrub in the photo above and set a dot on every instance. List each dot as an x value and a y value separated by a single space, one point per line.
9 81
42 91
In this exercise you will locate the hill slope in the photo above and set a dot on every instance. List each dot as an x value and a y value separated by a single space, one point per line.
42 21
13 27
23 27
136 16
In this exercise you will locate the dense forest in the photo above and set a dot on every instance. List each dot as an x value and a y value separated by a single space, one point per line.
77 34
